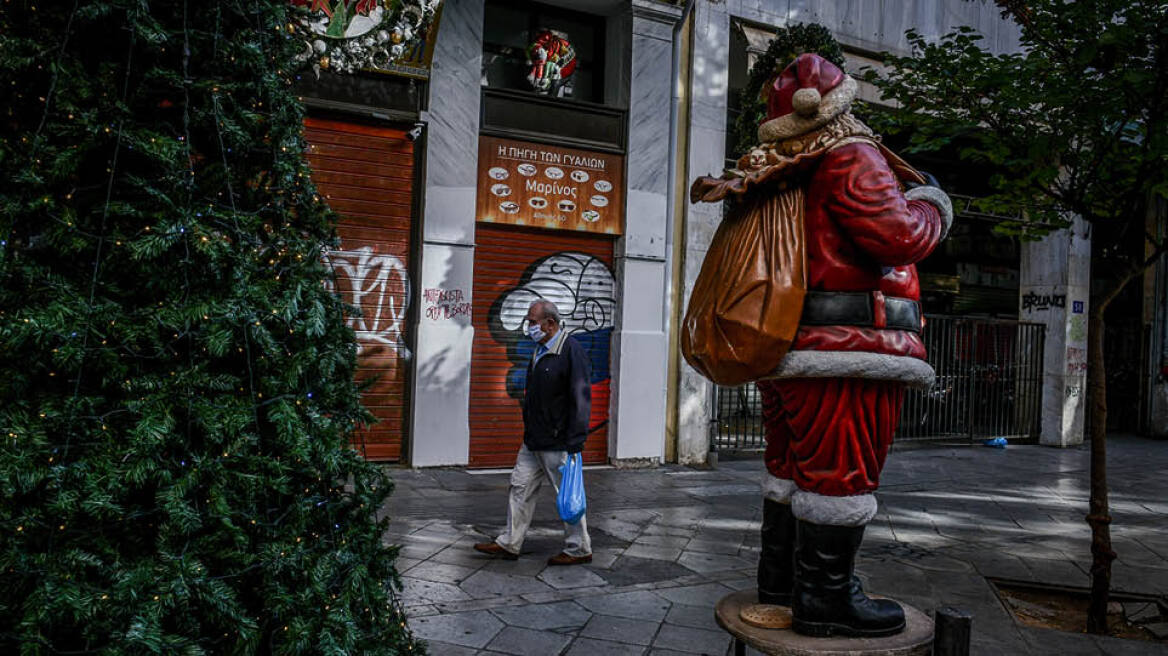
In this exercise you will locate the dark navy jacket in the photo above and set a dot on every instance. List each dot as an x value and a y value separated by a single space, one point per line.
557 403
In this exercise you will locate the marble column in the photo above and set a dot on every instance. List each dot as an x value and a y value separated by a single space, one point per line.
440 431
1054 290
638 407
707 146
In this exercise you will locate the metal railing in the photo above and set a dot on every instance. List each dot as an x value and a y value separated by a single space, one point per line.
989 384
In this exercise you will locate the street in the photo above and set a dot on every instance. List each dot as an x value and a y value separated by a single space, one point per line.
669 542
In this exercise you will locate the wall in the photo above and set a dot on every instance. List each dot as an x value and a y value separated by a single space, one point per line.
639 38
440 433
1055 290
639 345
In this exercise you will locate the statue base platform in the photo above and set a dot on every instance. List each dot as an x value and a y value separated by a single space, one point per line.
915 640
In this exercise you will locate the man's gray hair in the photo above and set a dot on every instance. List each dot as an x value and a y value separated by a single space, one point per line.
549 310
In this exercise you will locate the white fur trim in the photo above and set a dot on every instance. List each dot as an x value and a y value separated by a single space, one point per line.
806 101
855 510
777 489
855 364
834 102
938 199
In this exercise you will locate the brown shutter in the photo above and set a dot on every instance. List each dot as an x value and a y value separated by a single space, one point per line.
514 266
367 175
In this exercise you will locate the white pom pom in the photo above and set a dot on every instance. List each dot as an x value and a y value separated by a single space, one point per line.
806 102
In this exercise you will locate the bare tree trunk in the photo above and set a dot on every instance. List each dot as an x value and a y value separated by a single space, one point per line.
1099 511
1099 515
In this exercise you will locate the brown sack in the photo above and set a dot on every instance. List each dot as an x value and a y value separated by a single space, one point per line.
747 300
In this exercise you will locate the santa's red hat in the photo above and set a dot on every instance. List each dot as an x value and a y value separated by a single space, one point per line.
806 95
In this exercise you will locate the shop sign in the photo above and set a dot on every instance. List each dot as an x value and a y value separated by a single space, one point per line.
529 184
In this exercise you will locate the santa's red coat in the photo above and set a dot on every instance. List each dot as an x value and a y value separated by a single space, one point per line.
863 235
831 414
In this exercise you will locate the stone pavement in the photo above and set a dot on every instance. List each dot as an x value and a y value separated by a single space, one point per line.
669 542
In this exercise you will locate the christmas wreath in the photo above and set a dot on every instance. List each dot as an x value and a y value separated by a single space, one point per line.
350 35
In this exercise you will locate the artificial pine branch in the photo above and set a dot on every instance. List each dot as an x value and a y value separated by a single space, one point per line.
177 382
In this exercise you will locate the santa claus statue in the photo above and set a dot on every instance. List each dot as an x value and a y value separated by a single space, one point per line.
862 218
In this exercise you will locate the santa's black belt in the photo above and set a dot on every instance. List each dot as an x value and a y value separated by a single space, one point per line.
867 309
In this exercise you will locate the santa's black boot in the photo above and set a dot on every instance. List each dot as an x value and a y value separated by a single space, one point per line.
776 563
826 601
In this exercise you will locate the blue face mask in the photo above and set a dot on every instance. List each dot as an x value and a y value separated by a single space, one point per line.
536 333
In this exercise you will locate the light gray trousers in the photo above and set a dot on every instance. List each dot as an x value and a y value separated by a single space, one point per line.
531 468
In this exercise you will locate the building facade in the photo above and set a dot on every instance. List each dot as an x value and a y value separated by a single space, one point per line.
472 180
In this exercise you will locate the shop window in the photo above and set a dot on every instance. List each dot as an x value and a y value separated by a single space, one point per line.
576 42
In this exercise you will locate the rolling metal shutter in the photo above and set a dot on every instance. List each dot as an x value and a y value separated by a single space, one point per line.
367 175
514 266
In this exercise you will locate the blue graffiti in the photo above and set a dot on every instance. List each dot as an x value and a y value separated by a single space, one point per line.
596 343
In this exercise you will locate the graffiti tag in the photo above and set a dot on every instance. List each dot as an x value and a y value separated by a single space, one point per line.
1032 301
379 286
445 304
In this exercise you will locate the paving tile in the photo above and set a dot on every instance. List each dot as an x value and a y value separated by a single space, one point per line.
461 555
568 594
438 532
705 596
675 524
629 570
723 490
593 647
403 565
528 642
744 583
604 558
656 553
419 591
698 617
1056 572
420 551
1120 647
472 629
728 547
693 641
446 649
678 541
486 603
551 615
642 605
622 530
526 565
570 577
441 572
422 610
487 584
703 562
1051 641
619 629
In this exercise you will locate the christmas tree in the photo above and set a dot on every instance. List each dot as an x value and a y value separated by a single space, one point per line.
176 382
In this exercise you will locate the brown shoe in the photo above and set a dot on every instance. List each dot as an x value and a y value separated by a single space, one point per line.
564 559
493 549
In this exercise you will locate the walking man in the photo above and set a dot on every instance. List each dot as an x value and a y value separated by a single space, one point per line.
557 404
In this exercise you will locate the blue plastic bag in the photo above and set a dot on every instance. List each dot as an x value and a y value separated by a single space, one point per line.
571 502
